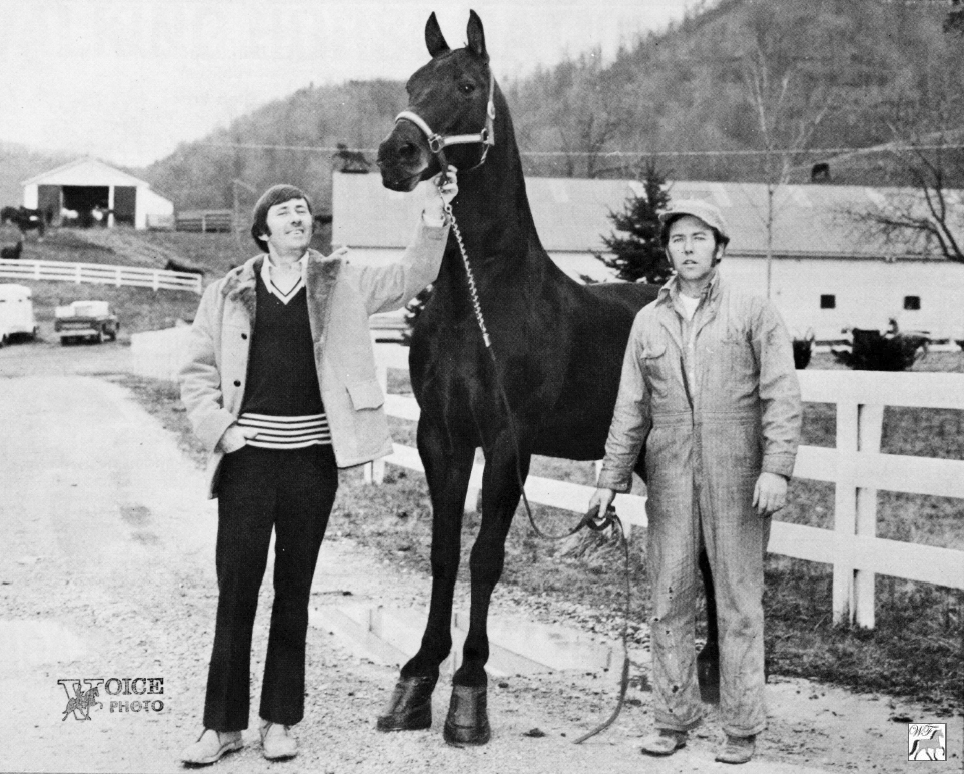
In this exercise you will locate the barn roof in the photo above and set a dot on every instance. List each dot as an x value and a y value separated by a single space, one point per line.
86 171
571 215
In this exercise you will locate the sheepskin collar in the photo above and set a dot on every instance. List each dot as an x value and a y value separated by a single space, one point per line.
240 286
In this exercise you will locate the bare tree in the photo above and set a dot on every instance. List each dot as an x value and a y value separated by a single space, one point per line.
589 115
782 84
928 214
924 211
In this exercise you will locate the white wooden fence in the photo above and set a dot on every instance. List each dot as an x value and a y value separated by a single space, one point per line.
100 274
856 467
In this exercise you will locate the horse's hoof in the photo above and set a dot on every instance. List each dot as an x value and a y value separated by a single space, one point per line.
410 708
468 720
708 673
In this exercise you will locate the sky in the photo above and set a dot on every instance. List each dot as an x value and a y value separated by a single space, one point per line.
127 80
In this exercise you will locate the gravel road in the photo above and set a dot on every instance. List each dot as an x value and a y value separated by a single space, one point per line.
107 572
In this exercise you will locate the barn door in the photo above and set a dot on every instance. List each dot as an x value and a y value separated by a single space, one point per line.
125 204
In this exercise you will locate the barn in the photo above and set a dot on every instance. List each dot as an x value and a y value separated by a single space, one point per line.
827 273
91 192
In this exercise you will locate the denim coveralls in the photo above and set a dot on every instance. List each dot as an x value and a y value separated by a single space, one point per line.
714 409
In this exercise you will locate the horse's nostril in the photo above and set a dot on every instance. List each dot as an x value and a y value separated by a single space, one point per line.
408 151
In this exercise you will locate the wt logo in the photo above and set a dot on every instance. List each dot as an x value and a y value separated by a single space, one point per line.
81 701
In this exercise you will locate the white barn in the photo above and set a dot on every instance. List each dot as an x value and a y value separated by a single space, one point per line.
827 273
87 185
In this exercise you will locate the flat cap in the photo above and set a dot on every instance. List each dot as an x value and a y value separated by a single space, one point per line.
709 213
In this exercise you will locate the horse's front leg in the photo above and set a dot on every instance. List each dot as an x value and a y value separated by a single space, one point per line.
447 469
467 721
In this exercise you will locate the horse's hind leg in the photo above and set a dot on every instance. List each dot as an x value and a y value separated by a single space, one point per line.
708 659
467 721
447 470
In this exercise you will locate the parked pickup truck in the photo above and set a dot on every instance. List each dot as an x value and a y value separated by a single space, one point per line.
85 320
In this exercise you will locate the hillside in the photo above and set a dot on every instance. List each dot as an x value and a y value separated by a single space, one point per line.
860 66
18 163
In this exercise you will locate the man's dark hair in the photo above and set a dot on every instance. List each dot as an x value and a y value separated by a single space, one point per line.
664 232
277 194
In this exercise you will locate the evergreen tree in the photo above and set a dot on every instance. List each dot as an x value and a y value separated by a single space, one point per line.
638 255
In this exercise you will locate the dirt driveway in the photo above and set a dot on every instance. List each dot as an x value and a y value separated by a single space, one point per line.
107 573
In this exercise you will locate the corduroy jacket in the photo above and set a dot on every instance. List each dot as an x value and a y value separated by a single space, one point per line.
341 296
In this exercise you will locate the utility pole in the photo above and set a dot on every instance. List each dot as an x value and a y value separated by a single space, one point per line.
236 209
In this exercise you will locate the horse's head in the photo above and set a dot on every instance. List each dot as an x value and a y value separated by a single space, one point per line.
449 96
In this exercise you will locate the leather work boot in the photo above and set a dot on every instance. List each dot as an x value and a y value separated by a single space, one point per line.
737 749
277 742
210 746
664 742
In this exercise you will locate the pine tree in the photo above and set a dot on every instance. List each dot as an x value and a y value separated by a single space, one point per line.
638 256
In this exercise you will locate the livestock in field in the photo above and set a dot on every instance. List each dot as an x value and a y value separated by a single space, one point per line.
25 219
187 268
12 253
556 350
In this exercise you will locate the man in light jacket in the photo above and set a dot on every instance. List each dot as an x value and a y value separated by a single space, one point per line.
708 383
279 384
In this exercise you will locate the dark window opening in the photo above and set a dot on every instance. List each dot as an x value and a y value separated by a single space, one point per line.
828 302
912 303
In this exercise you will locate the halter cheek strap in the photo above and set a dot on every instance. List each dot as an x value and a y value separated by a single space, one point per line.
438 142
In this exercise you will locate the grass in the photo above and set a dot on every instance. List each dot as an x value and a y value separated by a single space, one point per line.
915 651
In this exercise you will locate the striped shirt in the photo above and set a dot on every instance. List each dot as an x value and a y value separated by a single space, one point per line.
286 432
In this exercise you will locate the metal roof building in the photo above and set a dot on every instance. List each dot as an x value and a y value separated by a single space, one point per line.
828 273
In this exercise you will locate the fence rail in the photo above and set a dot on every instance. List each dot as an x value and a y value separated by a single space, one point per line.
100 274
205 221
856 466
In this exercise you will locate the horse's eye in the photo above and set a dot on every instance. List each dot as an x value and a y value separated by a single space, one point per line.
467 88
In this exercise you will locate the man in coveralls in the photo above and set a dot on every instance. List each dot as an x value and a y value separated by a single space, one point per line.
708 383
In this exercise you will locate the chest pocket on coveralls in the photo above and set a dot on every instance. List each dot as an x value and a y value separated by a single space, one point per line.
654 363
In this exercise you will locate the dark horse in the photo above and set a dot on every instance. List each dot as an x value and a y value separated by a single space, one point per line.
24 219
558 348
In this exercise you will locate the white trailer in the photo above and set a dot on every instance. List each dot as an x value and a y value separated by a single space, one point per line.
16 313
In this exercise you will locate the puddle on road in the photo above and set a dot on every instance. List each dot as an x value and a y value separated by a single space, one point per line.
516 646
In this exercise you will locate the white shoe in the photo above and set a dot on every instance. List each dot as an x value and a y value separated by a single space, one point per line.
277 743
210 746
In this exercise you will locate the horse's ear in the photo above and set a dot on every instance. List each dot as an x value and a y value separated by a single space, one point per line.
477 36
434 38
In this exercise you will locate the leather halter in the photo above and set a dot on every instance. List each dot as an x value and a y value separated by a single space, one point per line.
438 142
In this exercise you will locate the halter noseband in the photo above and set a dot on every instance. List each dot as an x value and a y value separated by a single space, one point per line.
438 142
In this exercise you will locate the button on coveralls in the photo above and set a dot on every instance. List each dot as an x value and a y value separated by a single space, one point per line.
706 444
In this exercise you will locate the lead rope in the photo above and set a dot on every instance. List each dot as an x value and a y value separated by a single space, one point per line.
590 519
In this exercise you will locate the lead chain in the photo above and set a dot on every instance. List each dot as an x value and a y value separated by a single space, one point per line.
473 290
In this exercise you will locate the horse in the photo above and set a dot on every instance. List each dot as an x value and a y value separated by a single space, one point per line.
186 268
12 253
81 702
932 746
25 219
547 386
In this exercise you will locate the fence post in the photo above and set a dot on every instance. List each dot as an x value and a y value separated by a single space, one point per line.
859 429
870 424
36 270
845 512
77 278
117 277
155 281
